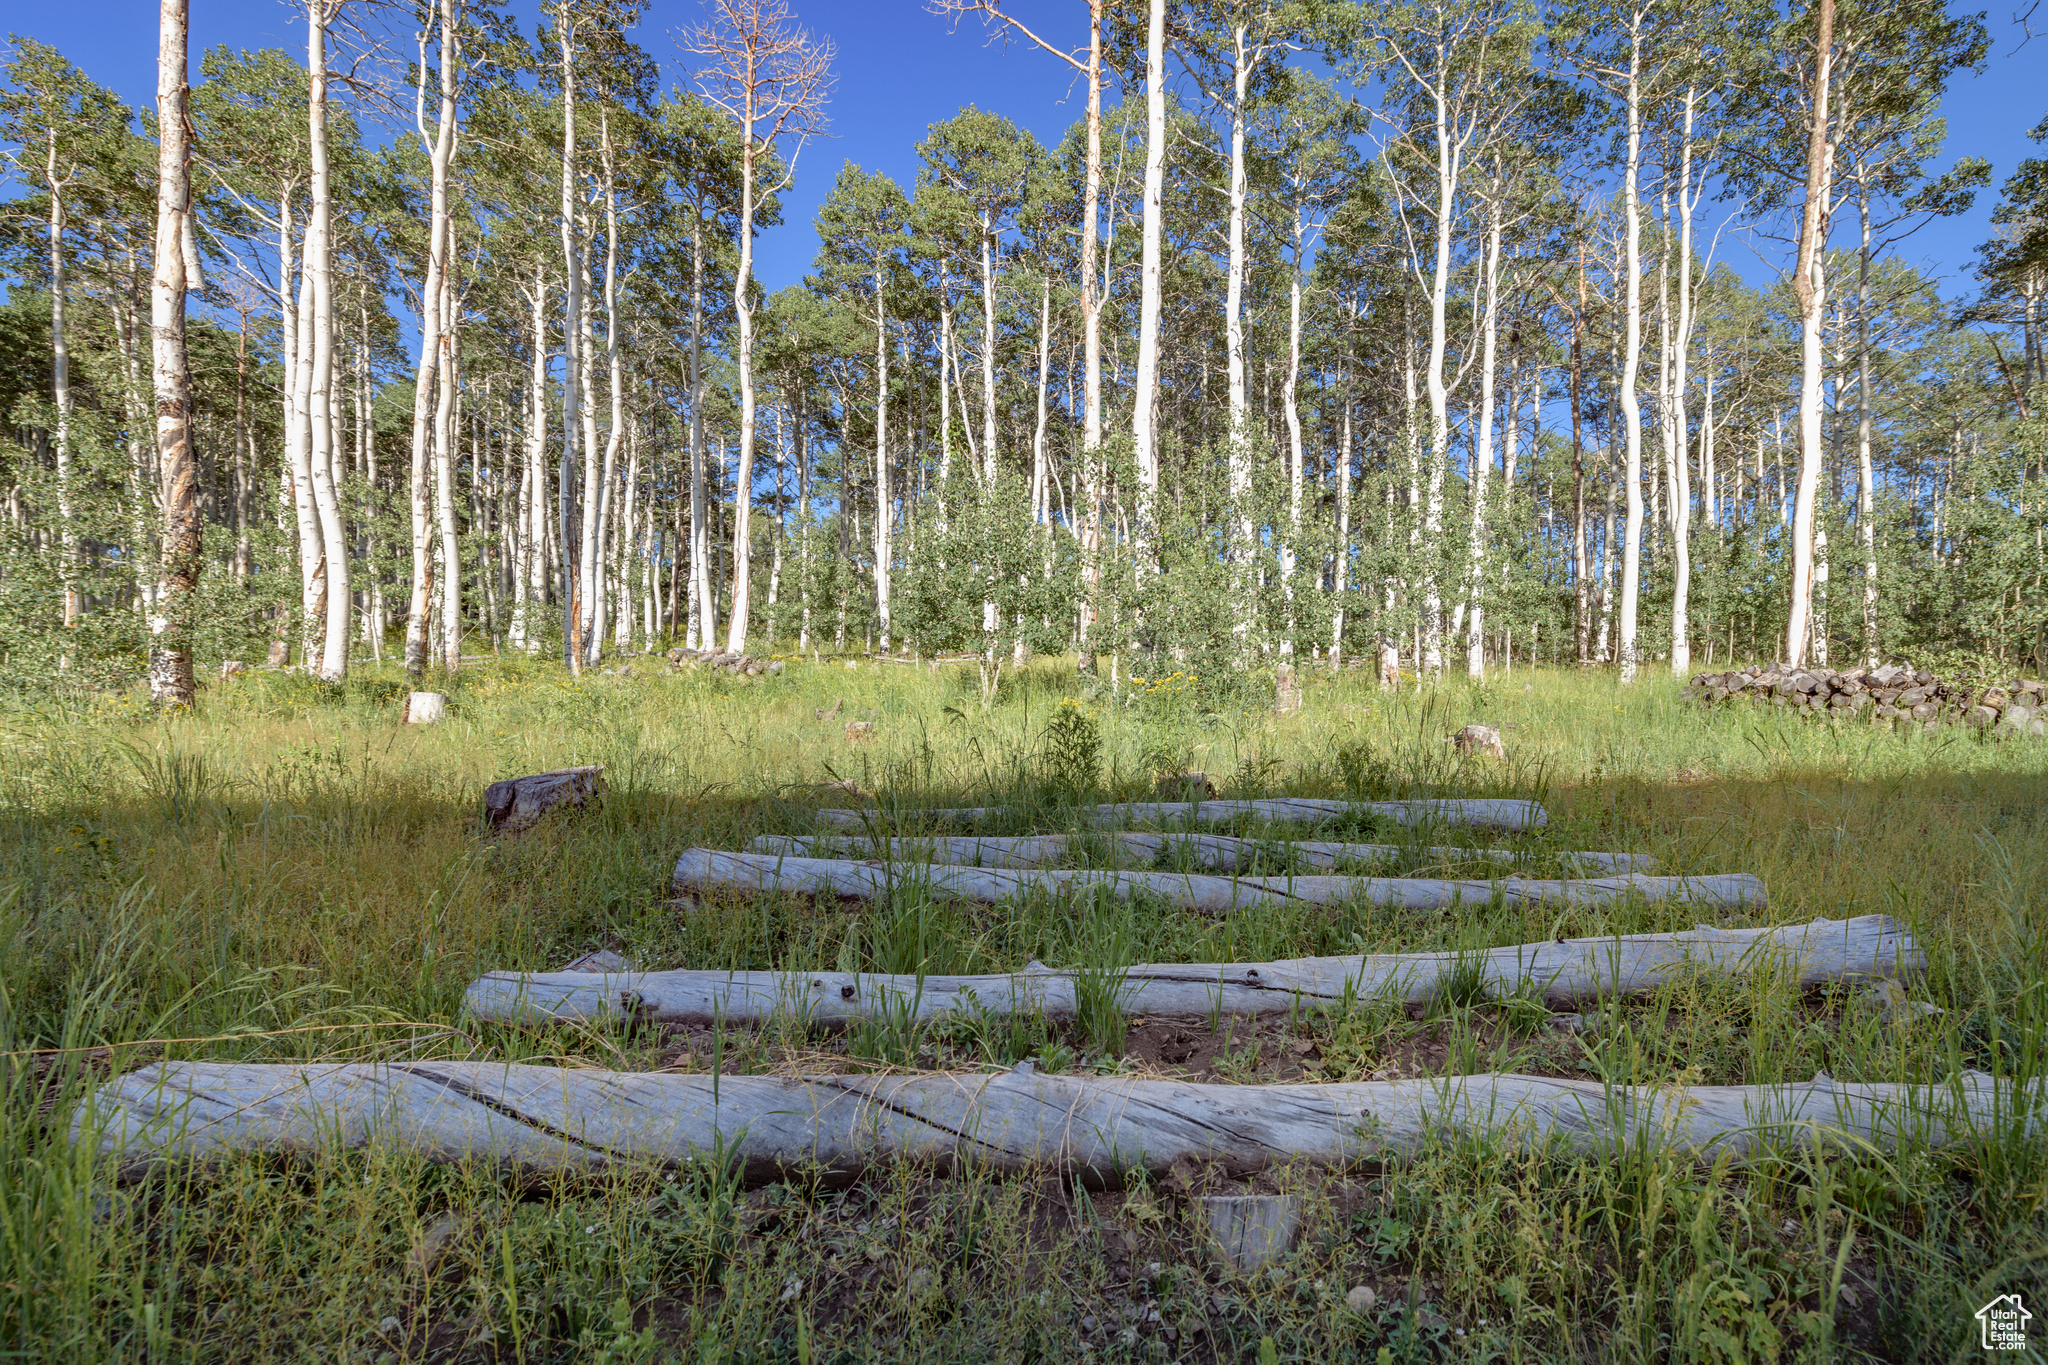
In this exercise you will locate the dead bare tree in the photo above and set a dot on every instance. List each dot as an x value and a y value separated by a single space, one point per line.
771 78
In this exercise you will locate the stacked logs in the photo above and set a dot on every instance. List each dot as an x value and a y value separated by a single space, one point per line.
1893 694
737 665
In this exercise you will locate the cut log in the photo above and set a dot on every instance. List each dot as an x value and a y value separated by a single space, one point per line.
518 802
1480 814
564 1120
1218 852
1566 974
424 708
702 870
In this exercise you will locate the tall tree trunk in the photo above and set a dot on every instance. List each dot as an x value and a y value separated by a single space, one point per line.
176 270
319 267
447 431
1632 346
1809 285
703 608
884 513
1680 492
743 316
1243 534
60 391
441 153
1583 565
572 394
1866 484
1297 453
1145 389
1482 447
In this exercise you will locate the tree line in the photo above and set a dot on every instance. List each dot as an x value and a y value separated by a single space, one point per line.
1329 331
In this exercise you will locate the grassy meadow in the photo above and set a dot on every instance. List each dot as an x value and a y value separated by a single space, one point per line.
290 873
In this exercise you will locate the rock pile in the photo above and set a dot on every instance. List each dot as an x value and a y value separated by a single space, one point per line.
1893 693
738 665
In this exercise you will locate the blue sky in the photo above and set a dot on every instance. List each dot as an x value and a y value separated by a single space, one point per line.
901 68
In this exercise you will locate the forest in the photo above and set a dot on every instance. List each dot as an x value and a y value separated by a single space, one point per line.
1328 332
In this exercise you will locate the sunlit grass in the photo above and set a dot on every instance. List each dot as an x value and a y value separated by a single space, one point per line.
290 873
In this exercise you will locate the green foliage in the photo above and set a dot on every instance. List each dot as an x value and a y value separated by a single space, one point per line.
1071 750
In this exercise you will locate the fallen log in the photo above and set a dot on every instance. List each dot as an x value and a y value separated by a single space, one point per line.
562 1120
702 870
1219 852
1480 814
518 803
1566 974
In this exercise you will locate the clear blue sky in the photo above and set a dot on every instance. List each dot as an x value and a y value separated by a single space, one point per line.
901 68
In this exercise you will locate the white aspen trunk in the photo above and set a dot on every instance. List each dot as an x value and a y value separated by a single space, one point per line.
1809 283
1681 472
176 270
441 152
447 431
60 391
1430 658
589 563
743 314
299 456
572 395
1297 453
628 540
1632 345
1041 471
1243 534
1145 386
319 268
1482 448
884 509
703 621
989 461
1866 483
616 428
1340 571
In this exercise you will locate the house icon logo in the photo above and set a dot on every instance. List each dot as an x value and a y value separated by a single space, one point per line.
2004 1323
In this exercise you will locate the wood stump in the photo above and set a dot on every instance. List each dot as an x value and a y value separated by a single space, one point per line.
1250 1231
1480 739
859 731
1187 786
517 803
1286 691
424 708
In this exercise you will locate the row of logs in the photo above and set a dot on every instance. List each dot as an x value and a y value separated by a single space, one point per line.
1893 693
725 661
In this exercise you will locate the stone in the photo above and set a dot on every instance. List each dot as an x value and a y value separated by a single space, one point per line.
424 708
1361 1298
1574 1024
1286 691
1250 1231
517 803
1480 739
1893 1006
2037 727
859 731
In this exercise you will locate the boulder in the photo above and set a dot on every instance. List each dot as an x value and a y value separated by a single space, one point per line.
517 803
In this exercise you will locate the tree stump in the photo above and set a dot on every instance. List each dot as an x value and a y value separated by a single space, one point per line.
1250 1231
1480 739
424 708
1286 691
517 803
1187 786
859 731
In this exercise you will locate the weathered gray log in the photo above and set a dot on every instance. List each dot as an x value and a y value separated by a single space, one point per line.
703 870
567 1120
518 802
1566 974
1250 1231
1218 852
1480 814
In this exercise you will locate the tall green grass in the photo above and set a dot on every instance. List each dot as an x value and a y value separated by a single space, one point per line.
288 873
